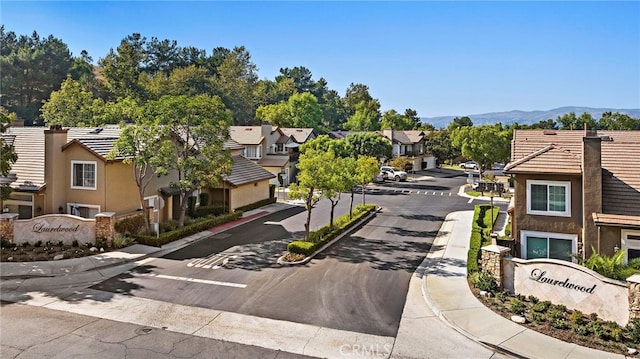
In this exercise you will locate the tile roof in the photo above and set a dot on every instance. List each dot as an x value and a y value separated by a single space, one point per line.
246 171
98 146
29 145
616 220
560 151
232 145
246 135
274 161
299 135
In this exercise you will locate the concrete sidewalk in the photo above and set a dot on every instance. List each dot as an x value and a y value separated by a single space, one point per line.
445 289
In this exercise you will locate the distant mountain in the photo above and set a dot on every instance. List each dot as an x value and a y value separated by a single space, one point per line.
527 117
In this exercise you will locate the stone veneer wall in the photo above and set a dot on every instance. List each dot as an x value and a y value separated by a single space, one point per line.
633 284
6 226
491 261
105 226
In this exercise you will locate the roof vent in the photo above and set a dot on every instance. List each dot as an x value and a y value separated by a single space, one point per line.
248 129
548 132
96 130
606 138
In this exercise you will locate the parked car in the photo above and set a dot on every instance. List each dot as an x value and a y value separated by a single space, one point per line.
390 173
469 165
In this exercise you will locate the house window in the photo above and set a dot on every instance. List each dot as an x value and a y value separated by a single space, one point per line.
280 147
548 245
631 242
83 174
252 151
552 198
83 210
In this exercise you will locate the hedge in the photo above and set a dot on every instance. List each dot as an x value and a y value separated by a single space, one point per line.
258 204
213 210
185 231
131 225
480 233
323 235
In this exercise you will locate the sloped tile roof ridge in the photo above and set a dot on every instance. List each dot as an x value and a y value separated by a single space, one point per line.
537 153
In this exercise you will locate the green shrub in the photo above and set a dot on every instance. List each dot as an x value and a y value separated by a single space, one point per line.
559 323
555 313
255 205
168 225
533 299
301 247
187 230
502 296
75 243
131 225
6 244
485 281
516 306
38 244
538 317
480 234
121 242
581 330
633 330
212 210
577 318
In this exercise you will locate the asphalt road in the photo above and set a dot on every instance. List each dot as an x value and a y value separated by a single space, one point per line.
358 284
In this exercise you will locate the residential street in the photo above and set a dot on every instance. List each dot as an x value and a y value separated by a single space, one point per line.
359 285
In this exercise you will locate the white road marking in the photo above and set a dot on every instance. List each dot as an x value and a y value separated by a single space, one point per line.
418 192
213 261
434 193
470 200
449 193
441 193
196 280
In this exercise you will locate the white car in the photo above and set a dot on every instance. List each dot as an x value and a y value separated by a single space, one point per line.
469 165
390 173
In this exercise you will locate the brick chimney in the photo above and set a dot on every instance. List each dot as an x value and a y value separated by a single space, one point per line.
55 169
591 188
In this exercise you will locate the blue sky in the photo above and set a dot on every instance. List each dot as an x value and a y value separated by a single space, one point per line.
439 58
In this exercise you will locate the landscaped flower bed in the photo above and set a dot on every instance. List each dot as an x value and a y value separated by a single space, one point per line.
47 251
557 321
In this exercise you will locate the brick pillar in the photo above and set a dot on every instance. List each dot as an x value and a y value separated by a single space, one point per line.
6 226
633 284
492 261
105 226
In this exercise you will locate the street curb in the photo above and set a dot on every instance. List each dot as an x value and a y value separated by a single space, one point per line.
327 245
422 271
461 193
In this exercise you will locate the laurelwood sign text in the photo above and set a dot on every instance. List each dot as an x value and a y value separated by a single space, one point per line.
43 228
541 277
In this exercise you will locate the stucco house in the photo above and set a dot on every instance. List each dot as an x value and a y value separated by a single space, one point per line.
409 143
68 171
273 148
574 191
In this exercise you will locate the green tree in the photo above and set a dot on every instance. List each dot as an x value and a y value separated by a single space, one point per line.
365 118
483 144
438 143
82 71
235 81
143 145
367 168
202 126
7 155
618 121
301 110
32 67
355 94
313 168
70 106
393 120
121 68
412 116
190 80
334 114
459 122
369 144
569 121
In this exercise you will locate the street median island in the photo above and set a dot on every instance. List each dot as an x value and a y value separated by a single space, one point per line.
302 251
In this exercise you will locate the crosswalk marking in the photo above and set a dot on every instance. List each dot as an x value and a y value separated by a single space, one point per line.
213 261
196 280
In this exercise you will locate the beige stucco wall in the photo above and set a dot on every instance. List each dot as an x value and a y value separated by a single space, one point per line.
551 224
610 237
249 193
